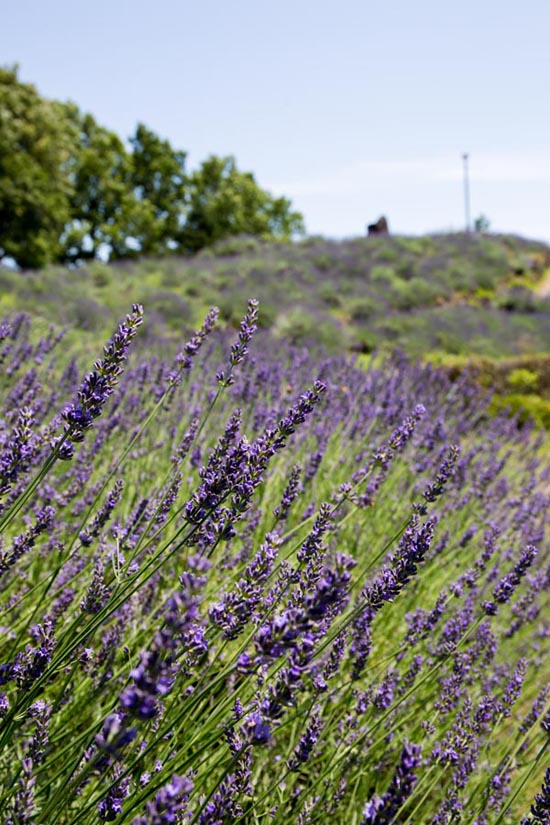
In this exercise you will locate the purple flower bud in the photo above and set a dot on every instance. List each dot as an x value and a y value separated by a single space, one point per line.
169 803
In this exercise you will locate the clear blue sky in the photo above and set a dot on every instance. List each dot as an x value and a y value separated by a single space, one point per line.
352 108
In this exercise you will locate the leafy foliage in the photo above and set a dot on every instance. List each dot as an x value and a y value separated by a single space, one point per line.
225 202
105 211
71 191
36 151
158 178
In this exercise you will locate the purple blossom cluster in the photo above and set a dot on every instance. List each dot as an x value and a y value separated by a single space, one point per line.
99 384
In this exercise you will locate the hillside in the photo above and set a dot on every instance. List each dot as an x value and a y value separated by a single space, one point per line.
452 294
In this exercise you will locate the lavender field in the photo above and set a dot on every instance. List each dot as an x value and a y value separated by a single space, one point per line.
244 583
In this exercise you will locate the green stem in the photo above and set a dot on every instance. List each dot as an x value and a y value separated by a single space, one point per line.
512 798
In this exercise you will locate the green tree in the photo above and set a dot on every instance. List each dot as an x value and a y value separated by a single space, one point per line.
158 178
70 190
482 224
107 216
224 201
37 144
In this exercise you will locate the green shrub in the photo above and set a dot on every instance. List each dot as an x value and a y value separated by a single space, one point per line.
384 275
450 342
484 295
525 406
364 341
173 274
266 315
414 246
170 308
415 293
294 326
462 277
406 269
297 326
236 245
323 262
84 313
228 305
522 381
487 277
102 275
363 309
330 295
517 299
385 252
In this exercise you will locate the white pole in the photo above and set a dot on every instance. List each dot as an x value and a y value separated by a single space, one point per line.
466 191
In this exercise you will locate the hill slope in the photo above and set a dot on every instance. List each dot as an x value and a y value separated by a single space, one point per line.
455 294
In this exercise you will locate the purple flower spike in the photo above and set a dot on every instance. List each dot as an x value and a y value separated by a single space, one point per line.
292 490
306 744
257 729
167 806
445 473
540 809
190 350
99 384
111 807
18 451
239 350
507 585
382 810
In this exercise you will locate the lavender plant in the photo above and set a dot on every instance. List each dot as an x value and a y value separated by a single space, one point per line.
244 586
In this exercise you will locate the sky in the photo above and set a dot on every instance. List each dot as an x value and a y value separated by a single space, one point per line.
351 108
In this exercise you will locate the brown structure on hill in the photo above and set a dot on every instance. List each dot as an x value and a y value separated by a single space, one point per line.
379 228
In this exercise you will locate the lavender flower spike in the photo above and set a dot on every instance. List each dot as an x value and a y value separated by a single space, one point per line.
382 810
505 588
306 744
99 384
191 348
540 809
167 806
239 349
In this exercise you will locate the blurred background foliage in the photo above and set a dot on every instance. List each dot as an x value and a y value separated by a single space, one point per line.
456 295
70 190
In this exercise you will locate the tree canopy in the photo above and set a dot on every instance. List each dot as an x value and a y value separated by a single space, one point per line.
224 201
71 190
37 147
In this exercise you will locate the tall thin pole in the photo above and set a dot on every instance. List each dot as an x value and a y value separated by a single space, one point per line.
466 191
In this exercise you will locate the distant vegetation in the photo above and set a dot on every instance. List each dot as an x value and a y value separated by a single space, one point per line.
70 190
453 294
